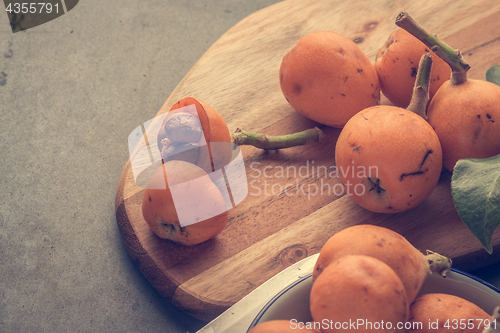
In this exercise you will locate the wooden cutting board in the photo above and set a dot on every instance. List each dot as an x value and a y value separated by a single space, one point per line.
271 229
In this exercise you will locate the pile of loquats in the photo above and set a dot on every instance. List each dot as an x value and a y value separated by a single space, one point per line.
436 119
374 274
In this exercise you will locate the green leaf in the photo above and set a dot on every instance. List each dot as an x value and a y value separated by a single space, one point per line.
475 187
493 74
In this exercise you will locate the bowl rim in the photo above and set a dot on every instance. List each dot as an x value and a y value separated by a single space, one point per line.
309 275
275 297
475 278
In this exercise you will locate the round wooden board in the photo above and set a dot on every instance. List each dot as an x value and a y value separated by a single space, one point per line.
272 229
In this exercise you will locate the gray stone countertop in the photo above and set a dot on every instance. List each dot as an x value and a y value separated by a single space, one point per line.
71 91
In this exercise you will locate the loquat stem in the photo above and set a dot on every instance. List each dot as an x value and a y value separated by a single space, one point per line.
263 141
453 58
495 319
420 96
438 263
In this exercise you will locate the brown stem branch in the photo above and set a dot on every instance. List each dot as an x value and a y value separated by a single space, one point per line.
452 57
263 141
438 263
494 326
420 97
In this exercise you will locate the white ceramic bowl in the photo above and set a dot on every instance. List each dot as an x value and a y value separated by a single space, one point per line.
293 301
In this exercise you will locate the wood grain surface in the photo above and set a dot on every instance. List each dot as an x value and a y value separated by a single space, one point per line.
272 229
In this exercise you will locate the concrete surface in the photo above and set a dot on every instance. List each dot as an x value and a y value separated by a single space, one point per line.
71 91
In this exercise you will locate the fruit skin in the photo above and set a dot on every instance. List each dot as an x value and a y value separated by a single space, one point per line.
327 78
397 64
359 287
384 244
160 213
428 308
279 326
466 118
388 158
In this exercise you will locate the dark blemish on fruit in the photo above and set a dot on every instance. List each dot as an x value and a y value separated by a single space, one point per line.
360 70
411 195
346 78
281 78
149 199
371 84
356 148
371 25
297 89
476 132
411 62
287 100
478 116
414 72
374 97
380 244
376 186
358 40
425 157
342 94
416 173
341 52
488 116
